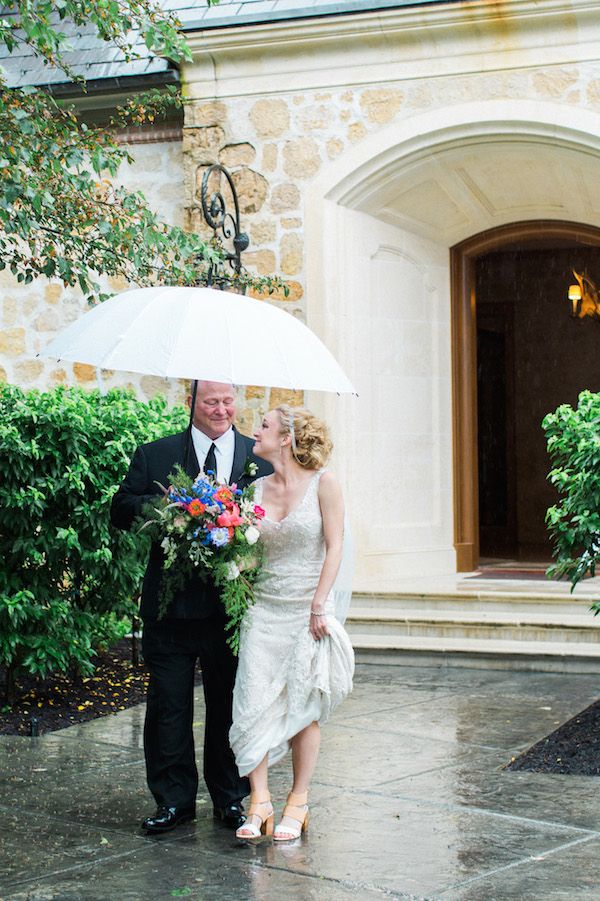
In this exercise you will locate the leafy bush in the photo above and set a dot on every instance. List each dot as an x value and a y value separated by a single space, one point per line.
67 578
574 523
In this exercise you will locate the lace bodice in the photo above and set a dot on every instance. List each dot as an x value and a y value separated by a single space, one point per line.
295 549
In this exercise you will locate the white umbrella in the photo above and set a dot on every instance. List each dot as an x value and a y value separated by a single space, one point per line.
201 333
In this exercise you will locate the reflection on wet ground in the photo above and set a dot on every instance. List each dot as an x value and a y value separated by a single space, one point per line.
410 801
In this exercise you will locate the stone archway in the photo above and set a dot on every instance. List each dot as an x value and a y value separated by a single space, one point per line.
381 223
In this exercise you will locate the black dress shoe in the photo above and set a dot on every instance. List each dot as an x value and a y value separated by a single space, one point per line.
167 818
231 816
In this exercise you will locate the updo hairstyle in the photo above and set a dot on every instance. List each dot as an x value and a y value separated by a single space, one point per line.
311 444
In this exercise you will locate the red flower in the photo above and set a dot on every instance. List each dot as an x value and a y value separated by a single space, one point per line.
230 518
258 511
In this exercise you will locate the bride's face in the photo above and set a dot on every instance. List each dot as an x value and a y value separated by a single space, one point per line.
268 436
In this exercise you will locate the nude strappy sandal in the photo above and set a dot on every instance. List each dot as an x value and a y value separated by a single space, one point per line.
251 830
296 809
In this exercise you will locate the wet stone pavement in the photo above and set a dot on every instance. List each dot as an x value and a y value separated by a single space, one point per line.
409 801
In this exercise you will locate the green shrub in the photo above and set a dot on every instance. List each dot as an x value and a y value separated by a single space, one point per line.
574 523
67 577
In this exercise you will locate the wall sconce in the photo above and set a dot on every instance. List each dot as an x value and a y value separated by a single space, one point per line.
584 298
575 298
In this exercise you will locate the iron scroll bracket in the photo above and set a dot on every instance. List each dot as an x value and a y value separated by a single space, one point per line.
221 220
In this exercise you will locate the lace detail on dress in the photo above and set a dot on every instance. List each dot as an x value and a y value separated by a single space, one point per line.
285 678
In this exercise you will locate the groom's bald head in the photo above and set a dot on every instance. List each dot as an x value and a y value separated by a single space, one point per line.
214 410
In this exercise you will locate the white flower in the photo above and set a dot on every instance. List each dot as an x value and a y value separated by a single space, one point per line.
252 534
166 544
232 571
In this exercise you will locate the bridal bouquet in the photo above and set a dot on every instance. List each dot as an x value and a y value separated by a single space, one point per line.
211 529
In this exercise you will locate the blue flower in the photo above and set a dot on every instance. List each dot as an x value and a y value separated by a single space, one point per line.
219 537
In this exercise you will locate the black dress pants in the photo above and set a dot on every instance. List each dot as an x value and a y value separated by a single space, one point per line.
171 649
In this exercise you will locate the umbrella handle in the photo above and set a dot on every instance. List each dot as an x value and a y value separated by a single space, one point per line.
188 437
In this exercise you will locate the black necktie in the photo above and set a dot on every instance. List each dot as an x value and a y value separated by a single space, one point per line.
210 463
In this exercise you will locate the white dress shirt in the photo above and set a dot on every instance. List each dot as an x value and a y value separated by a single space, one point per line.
224 451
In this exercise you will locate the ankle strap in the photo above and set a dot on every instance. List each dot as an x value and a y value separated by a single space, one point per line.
297 799
263 798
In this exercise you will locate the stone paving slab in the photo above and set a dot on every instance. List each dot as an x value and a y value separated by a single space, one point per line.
409 801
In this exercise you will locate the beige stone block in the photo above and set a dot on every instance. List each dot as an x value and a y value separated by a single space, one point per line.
356 132
301 158
3 376
194 221
12 342
212 113
593 91
381 105
291 223
233 155
207 138
53 293
285 197
58 377
263 232
554 82
117 283
315 118
244 420
29 305
270 118
152 385
84 373
279 396
262 261
345 115
47 321
252 189
27 371
291 254
347 97
322 97
295 292
255 392
334 148
269 159
10 311
299 99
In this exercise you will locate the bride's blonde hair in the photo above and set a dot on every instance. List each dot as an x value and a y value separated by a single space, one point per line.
311 444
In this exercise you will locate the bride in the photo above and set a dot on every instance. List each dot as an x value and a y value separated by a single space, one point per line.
296 661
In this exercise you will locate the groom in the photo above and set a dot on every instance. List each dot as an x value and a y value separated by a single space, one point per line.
193 628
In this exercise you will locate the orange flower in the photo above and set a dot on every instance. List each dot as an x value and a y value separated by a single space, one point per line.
224 495
196 507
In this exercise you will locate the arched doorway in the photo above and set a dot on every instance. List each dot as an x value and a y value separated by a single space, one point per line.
517 354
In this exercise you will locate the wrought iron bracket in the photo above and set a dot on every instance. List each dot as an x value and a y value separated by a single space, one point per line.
219 218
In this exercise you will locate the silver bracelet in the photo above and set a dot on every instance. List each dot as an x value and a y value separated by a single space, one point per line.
312 613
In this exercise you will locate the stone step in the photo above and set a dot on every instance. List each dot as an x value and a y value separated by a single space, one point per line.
459 626
538 656
508 602
475 625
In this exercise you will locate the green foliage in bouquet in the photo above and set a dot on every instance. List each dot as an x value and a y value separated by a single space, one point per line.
574 523
209 530
67 578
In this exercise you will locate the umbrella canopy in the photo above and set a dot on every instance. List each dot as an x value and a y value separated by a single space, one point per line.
201 333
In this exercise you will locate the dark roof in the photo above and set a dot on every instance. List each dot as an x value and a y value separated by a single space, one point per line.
196 15
105 68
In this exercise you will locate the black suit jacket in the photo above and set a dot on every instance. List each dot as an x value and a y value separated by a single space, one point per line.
153 463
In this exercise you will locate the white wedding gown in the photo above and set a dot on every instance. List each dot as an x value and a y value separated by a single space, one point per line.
286 679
